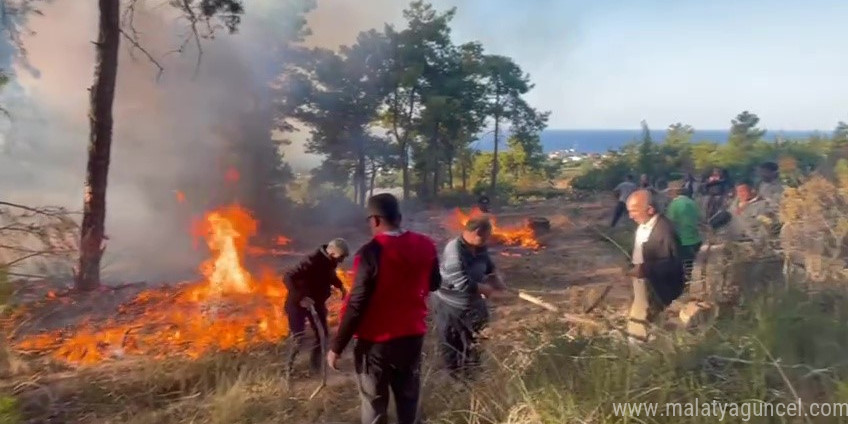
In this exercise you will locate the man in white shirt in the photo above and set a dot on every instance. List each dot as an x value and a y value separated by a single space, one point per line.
622 191
658 272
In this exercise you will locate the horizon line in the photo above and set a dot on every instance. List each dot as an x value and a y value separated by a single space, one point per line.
664 129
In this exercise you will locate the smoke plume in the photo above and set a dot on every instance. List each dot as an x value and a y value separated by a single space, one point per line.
180 133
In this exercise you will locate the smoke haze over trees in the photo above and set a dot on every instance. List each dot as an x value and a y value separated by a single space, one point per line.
183 130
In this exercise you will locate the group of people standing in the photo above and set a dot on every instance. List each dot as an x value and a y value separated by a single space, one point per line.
668 234
387 310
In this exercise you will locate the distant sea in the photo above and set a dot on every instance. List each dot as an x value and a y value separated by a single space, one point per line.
600 141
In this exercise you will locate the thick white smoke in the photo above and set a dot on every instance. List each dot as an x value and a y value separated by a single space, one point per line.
172 134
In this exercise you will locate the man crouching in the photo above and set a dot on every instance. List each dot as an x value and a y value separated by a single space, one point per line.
468 277
309 285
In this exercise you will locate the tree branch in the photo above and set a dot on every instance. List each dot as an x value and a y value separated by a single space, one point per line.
195 35
138 46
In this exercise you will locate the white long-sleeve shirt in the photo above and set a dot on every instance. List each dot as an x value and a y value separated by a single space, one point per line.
643 232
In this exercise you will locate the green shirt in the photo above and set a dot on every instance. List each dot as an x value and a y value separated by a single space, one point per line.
684 213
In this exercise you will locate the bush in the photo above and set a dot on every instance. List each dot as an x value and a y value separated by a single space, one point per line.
9 411
786 345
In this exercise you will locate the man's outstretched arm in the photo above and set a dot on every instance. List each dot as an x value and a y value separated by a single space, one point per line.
365 282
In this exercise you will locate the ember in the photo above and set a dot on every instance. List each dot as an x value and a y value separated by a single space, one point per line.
231 309
511 236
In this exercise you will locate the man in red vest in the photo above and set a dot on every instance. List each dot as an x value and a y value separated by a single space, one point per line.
386 312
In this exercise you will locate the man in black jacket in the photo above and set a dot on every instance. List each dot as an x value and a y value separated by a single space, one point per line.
658 272
309 285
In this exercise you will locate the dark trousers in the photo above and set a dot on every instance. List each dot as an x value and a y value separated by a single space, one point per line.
297 317
620 209
688 255
458 330
715 204
393 365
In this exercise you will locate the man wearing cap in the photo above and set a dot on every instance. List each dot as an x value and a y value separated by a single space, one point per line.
685 215
386 312
309 285
468 275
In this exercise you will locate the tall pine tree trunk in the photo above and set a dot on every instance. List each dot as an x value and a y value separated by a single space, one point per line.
360 178
355 189
373 178
404 166
99 146
495 154
450 173
434 156
464 170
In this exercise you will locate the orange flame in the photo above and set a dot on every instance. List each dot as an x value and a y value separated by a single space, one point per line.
509 235
230 310
180 196
346 277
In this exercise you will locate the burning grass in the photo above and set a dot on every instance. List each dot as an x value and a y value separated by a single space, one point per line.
518 235
230 309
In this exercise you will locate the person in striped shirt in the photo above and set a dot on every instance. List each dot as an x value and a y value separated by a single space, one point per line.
461 312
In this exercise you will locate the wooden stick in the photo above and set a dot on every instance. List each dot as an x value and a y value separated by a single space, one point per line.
323 340
536 301
600 299
565 315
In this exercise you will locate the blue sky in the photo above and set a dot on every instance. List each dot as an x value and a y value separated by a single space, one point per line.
612 63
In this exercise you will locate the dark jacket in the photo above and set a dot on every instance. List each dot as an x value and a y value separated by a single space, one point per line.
394 274
313 277
663 266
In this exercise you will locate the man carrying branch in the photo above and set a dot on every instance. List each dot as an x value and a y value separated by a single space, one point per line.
461 312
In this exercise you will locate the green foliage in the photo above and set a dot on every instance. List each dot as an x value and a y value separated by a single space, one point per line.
740 156
6 288
10 411
430 96
744 132
840 134
606 174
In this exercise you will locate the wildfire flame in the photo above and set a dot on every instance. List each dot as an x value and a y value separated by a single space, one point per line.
508 235
229 310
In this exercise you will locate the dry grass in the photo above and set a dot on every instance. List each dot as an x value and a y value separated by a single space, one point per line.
786 342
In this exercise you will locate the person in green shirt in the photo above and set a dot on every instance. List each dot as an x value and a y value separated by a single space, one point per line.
685 215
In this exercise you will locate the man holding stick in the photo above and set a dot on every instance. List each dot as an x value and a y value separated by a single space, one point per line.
387 313
461 312
309 286
658 275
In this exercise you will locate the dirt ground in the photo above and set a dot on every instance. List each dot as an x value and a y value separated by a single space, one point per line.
574 266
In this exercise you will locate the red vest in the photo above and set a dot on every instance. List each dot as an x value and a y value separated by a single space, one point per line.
398 307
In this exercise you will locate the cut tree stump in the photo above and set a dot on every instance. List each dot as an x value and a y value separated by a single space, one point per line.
696 313
539 225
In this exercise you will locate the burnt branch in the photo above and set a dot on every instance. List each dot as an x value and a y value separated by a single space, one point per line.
136 46
36 239
200 17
